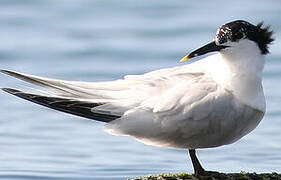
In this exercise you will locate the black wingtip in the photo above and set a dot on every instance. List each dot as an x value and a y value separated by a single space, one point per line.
71 106
10 90
5 71
10 73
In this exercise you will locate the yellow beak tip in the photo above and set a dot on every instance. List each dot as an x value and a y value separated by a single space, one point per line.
185 58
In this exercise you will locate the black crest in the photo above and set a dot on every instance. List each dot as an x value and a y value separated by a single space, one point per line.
236 30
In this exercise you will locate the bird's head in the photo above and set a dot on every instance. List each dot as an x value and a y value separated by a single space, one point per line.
237 35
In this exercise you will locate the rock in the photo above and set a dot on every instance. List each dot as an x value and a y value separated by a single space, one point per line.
219 176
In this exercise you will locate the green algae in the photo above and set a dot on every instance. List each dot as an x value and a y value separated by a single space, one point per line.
217 176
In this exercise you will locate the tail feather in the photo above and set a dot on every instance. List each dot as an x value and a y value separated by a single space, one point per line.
75 89
62 88
32 79
73 106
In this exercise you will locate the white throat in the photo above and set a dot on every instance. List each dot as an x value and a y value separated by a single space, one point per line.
239 70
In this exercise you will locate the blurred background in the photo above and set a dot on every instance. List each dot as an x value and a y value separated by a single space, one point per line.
104 40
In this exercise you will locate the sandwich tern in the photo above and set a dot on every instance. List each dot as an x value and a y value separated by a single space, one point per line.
209 103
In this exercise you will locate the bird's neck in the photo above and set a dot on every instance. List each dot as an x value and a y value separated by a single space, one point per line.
241 74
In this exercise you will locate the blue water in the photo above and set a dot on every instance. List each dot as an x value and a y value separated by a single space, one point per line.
105 40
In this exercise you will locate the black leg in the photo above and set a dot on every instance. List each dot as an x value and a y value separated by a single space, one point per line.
198 169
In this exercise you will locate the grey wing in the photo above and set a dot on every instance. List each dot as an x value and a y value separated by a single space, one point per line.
102 101
198 114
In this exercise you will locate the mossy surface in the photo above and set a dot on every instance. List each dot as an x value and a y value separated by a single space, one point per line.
217 176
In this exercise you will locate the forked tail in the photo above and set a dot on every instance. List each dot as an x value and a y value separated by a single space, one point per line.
68 104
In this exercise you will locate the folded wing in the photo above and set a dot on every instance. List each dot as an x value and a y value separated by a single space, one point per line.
105 101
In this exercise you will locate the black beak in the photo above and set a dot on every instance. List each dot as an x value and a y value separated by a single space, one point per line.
211 47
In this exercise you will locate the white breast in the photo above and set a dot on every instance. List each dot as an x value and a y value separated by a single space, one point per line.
239 70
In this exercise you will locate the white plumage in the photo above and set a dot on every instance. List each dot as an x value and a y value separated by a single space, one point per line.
208 103
191 106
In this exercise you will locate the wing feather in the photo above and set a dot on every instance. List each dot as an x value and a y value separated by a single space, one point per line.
111 99
75 107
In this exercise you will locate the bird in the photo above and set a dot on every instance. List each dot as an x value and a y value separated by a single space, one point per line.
208 103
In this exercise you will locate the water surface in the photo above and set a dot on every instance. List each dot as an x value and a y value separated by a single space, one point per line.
105 40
